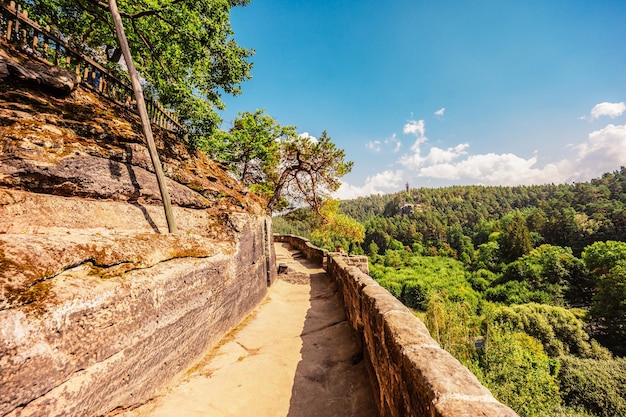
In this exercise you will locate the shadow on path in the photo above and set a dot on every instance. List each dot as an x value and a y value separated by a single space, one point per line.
331 378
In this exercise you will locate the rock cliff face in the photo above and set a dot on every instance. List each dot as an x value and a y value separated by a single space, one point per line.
99 307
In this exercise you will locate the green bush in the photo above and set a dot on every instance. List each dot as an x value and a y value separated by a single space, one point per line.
414 294
560 331
515 292
597 385
518 372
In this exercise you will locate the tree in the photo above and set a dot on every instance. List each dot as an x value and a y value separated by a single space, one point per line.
278 164
184 49
596 385
308 172
251 148
606 262
551 269
336 228
518 372
461 244
516 237
559 330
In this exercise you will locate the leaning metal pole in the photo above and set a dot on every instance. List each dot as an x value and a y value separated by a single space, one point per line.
143 113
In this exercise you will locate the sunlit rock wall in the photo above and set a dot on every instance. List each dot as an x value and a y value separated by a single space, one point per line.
99 305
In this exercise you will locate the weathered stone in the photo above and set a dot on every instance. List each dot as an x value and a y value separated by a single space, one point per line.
410 373
93 177
30 259
39 73
100 308
472 407
93 344
4 71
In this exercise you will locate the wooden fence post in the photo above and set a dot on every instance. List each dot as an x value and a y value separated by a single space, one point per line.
10 22
145 121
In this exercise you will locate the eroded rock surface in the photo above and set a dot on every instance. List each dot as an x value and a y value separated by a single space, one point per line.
39 73
99 306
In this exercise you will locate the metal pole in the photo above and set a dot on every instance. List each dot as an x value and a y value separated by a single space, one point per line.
145 121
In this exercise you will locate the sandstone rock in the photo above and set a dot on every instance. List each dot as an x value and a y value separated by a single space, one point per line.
411 374
93 177
43 74
4 71
29 260
99 308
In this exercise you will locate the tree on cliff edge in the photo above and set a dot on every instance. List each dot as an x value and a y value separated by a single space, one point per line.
277 163
309 170
183 48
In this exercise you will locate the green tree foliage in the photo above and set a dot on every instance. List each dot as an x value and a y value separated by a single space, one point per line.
337 229
462 244
309 170
280 165
454 325
251 148
607 264
488 257
184 49
515 241
561 215
597 385
559 330
518 372
328 229
515 292
413 278
553 270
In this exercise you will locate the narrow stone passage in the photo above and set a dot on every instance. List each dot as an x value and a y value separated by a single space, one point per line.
294 356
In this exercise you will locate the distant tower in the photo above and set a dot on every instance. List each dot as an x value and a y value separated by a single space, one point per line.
407 187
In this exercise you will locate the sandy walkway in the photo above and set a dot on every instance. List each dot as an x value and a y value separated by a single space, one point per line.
295 356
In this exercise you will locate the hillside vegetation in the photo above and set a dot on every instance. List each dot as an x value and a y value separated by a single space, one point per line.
524 285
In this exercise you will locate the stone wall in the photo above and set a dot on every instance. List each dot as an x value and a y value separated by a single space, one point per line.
410 372
318 255
99 306
310 251
98 340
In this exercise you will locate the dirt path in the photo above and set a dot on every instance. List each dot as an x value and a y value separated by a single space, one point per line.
295 356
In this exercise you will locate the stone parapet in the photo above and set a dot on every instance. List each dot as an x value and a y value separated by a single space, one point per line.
310 251
411 374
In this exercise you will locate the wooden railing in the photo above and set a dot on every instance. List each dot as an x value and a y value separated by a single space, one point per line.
29 36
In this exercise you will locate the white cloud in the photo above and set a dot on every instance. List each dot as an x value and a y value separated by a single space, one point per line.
383 182
611 110
440 112
496 169
395 142
414 127
307 135
604 151
392 142
373 145
435 155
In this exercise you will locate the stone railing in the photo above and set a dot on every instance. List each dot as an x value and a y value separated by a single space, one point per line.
310 251
411 374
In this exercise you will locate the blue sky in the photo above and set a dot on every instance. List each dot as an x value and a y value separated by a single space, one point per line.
438 93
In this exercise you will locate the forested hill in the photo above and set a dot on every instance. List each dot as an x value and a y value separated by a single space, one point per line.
573 215
538 272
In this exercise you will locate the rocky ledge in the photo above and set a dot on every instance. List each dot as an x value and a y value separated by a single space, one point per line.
99 307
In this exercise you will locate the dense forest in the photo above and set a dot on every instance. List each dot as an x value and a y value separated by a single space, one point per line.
524 285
